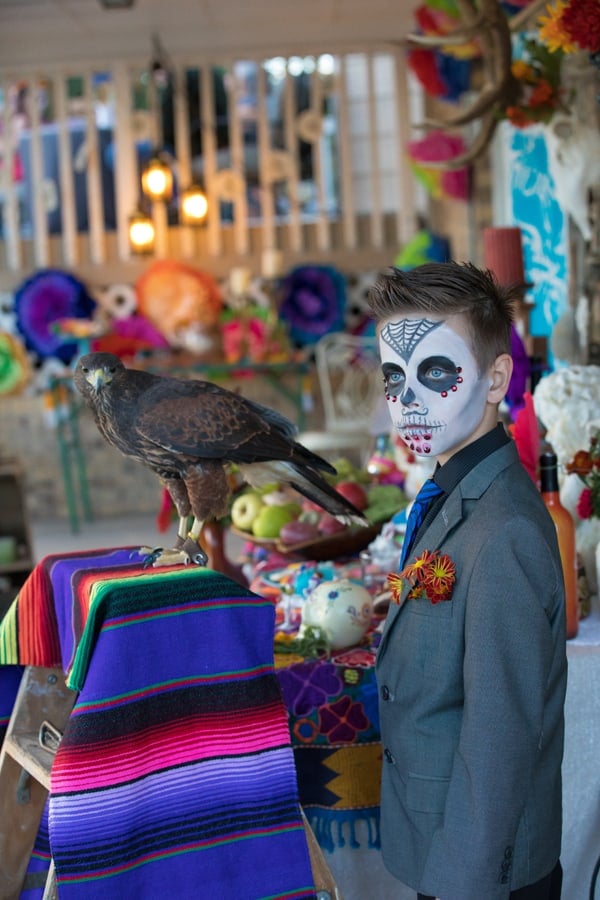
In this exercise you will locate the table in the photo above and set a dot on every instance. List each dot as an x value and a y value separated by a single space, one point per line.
581 763
360 872
67 406
332 714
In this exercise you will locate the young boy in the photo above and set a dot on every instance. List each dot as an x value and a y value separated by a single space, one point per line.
471 674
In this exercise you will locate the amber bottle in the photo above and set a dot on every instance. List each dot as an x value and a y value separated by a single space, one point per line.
565 528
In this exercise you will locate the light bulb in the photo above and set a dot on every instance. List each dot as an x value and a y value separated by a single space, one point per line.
141 233
194 205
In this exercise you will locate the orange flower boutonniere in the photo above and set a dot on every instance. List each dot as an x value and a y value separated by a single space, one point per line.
431 576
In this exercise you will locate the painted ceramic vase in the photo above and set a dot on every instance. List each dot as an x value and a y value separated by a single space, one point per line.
342 609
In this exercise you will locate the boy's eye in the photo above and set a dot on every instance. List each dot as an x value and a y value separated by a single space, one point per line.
435 372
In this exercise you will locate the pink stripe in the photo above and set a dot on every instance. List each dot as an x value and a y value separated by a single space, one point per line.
115 764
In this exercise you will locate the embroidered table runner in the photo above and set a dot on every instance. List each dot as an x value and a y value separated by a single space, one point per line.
334 725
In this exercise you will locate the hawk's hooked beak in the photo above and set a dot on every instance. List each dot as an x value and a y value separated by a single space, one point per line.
98 378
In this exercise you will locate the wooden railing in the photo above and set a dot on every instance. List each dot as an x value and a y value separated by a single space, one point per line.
304 156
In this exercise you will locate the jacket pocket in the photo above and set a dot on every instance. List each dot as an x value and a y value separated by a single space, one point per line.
426 793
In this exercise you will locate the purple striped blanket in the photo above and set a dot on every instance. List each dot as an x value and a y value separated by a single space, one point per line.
175 776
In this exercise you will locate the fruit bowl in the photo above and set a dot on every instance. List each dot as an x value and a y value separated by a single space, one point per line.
348 542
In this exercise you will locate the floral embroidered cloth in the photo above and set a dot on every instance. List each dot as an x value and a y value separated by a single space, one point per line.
334 725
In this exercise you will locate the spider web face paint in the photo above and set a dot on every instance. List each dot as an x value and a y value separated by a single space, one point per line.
404 336
436 395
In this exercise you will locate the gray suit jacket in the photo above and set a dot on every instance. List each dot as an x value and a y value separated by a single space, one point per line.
471 698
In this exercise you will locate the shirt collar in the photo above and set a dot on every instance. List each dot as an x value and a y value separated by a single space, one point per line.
453 471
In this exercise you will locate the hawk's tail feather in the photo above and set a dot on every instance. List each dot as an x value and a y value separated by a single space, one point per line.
315 488
306 457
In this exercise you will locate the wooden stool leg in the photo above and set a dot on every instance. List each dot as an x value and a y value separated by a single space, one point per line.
325 884
25 770
50 892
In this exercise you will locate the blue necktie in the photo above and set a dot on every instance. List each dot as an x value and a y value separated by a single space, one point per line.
429 491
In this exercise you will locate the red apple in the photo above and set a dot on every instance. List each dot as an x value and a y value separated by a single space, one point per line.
310 506
298 531
354 492
328 524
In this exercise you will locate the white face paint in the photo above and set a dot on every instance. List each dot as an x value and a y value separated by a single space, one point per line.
436 394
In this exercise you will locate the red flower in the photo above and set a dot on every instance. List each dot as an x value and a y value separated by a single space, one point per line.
542 94
586 464
431 576
584 504
518 117
581 19
440 577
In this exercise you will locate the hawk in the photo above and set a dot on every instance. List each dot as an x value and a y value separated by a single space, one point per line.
188 431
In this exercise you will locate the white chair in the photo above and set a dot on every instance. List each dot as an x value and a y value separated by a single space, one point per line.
348 369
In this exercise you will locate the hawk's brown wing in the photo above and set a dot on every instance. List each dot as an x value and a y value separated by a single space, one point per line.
200 419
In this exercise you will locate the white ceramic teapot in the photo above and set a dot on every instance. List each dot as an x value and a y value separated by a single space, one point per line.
341 608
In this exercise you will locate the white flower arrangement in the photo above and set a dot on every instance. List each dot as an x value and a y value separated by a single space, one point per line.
567 402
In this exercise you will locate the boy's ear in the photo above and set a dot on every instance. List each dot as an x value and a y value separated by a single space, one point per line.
499 375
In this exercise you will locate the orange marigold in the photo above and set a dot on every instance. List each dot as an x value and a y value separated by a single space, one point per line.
553 32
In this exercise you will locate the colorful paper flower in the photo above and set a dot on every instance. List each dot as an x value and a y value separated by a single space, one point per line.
313 303
438 146
41 302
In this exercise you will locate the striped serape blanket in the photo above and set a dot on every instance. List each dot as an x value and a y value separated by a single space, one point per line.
175 775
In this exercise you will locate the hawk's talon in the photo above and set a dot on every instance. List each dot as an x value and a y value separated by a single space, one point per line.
194 551
151 554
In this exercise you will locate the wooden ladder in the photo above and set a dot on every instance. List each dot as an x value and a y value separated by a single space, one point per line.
42 707
39 716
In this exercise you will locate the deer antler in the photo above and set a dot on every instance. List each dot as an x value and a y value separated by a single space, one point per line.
489 23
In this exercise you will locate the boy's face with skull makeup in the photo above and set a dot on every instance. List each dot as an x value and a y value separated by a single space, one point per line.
436 394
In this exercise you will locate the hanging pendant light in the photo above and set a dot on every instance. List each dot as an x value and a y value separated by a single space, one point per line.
142 233
194 205
157 180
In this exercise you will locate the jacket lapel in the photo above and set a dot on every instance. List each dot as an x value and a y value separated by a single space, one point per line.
432 539
450 516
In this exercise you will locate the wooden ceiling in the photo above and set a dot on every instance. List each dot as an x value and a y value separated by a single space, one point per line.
42 32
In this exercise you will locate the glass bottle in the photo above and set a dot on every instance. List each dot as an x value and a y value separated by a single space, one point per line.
381 462
565 528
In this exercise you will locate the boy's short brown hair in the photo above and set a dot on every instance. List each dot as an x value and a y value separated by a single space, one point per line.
449 289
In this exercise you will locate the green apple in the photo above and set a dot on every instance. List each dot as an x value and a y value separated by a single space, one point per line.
270 521
245 509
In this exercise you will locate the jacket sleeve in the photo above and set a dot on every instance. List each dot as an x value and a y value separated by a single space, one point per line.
512 618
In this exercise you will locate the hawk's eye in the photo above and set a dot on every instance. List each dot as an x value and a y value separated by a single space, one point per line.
84 369
113 370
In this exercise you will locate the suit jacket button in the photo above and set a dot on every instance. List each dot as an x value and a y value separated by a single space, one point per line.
388 755
385 692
